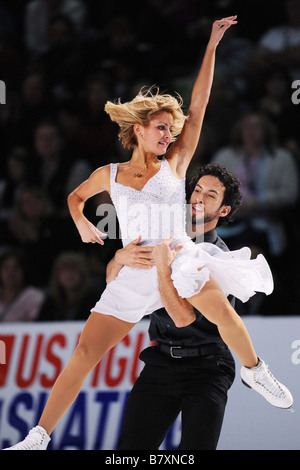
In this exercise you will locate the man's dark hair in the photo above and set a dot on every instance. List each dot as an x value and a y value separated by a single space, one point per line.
232 195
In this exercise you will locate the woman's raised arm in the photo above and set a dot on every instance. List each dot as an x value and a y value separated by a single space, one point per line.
182 151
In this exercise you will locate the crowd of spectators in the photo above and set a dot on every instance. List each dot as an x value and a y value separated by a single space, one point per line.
61 60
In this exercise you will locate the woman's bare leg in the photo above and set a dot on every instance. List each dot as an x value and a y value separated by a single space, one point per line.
101 333
213 304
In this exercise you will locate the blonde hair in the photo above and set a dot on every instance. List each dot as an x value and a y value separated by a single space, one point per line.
140 111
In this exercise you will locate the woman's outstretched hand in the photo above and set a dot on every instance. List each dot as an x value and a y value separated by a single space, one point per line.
219 27
89 233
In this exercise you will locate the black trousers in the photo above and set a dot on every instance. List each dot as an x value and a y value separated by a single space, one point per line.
197 387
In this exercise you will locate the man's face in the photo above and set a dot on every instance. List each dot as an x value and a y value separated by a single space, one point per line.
206 200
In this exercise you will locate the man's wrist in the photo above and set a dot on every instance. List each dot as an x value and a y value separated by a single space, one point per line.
164 271
116 259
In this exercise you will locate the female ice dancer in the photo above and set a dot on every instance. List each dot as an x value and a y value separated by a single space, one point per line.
201 273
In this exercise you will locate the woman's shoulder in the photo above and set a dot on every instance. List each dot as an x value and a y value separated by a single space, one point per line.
103 170
100 178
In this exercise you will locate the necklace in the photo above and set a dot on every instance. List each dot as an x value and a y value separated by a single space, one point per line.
139 173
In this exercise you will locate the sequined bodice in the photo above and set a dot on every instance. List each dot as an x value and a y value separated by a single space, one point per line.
155 212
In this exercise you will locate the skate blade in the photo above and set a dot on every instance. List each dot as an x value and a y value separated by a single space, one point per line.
245 383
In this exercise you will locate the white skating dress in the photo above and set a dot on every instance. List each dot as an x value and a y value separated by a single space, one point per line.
157 212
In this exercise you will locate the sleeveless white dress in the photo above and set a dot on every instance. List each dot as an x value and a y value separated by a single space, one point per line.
157 212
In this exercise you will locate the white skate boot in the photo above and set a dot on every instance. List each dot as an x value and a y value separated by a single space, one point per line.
262 381
37 439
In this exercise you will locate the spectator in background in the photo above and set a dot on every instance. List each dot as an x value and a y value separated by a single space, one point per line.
269 187
41 234
9 116
89 129
10 58
64 62
35 102
38 14
14 181
280 45
275 102
70 294
222 110
57 172
52 168
18 301
269 184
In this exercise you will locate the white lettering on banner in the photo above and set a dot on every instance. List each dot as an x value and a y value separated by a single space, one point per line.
94 420
40 357
35 356
2 352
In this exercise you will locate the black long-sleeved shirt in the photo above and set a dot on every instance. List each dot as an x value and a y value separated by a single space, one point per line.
201 332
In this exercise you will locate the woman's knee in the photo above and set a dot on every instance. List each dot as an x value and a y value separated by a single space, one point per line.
85 357
225 314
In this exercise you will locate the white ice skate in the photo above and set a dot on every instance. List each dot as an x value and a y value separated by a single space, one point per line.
262 381
37 439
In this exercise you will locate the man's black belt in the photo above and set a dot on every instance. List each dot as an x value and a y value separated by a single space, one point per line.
178 352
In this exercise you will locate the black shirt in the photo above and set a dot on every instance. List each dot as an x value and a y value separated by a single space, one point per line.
201 332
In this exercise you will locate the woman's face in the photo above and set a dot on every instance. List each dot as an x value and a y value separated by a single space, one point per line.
156 137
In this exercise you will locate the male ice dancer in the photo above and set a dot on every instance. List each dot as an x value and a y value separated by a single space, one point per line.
190 369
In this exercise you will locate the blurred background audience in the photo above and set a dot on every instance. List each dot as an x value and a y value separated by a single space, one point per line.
70 295
19 301
61 60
